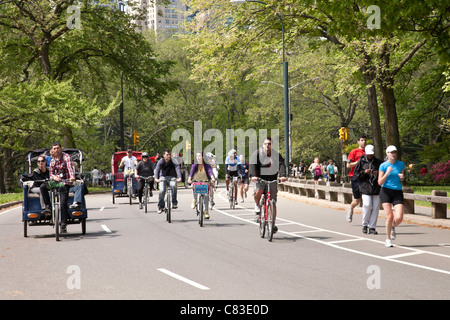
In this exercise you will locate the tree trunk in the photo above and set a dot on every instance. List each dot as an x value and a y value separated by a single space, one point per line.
386 83
369 74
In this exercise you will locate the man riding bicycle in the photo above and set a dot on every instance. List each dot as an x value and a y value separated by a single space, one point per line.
266 164
231 170
145 169
129 162
61 170
170 171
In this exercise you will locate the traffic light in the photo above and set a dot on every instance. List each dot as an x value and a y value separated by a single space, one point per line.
342 133
135 137
346 133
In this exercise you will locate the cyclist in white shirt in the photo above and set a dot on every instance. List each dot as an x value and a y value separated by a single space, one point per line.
231 170
129 164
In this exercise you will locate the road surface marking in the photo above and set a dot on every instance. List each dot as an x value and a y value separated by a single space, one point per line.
185 280
336 246
106 228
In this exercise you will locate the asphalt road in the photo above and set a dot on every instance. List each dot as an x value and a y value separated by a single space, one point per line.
129 254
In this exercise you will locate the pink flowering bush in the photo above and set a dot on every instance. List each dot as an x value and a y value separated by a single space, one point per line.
441 172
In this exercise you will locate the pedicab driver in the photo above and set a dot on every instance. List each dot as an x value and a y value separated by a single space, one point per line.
61 170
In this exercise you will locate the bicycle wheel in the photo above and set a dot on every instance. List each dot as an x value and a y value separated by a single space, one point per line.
231 196
168 206
145 198
270 220
56 220
130 189
262 221
200 214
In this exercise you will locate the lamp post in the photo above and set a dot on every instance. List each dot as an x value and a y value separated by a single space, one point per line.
287 137
289 108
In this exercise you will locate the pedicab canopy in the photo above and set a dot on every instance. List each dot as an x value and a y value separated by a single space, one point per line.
75 154
117 157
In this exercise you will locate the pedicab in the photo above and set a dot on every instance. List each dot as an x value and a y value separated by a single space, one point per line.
118 174
32 210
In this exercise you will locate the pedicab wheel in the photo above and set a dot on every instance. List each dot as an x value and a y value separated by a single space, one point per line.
113 199
25 229
83 226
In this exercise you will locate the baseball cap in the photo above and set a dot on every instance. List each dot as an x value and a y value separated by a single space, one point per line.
390 149
369 149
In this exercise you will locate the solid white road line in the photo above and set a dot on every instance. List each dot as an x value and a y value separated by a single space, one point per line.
106 228
185 280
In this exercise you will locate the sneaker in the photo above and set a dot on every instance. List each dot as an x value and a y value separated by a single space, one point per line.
372 231
160 210
349 215
206 215
75 206
393 234
194 203
388 243
242 200
140 205
174 206
63 228
257 209
275 229
228 193
364 229
212 204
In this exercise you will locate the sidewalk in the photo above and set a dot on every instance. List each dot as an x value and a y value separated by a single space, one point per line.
422 215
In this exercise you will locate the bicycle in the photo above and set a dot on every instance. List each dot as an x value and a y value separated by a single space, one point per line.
266 217
231 196
201 191
146 193
130 189
167 199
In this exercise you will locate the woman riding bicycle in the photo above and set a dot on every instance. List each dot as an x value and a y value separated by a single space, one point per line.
201 171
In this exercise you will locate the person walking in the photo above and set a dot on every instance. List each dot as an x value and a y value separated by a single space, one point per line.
391 174
352 160
366 171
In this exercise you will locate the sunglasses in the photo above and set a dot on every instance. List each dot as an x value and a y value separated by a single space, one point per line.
41 161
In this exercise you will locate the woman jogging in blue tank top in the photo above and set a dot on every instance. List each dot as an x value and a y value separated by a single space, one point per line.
391 173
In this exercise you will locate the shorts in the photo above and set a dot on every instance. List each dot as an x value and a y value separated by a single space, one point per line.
245 180
391 196
355 188
273 189
233 173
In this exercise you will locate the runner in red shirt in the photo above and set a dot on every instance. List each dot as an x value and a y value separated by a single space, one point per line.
352 159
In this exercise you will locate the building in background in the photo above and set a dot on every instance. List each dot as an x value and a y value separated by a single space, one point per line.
162 19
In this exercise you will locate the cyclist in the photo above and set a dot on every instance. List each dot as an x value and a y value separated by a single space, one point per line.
212 161
129 162
243 171
170 171
144 169
266 164
201 171
231 170
61 168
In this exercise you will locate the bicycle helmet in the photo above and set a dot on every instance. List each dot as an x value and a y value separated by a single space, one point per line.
232 152
144 154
